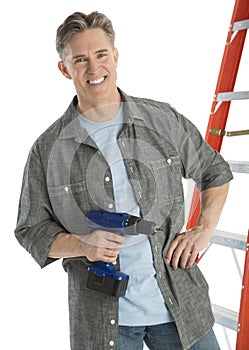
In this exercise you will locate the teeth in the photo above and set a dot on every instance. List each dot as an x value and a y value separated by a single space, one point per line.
98 81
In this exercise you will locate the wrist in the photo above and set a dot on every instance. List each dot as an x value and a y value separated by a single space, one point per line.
205 225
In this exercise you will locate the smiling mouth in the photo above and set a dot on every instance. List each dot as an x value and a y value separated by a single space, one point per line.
97 81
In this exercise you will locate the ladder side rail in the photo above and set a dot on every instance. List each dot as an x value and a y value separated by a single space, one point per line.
228 72
243 322
217 120
226 81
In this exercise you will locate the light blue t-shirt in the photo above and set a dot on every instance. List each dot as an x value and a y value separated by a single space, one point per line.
143 303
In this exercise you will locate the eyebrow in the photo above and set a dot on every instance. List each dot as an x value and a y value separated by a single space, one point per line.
96 52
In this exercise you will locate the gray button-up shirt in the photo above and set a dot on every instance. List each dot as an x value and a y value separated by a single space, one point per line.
65 178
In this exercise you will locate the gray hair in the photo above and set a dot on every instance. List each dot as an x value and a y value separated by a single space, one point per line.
79 22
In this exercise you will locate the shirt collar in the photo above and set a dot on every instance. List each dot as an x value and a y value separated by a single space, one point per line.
72 128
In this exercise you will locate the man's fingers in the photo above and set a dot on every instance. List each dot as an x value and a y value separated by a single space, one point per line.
181 252
182 257
103 239
116 237
104 236
188 258
102 245
103 254
184 249
192 258
171 250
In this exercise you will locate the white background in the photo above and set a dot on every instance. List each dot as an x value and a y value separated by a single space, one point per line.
170 51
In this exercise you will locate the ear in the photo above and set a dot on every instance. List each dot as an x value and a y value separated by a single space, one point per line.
115 56
62 67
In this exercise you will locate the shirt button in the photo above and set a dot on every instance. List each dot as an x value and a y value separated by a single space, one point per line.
156 248
169 161
66 188
132 169
113 321
170 300
111 343
107 179
123 143
110 206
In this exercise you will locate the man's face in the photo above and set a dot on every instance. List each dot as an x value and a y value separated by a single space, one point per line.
91 62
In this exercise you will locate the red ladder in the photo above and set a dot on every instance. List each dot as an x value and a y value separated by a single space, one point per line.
224 94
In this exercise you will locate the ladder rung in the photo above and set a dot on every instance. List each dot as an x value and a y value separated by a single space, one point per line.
237 26
230 96
220 132
239 167
240 25
229 239
225 317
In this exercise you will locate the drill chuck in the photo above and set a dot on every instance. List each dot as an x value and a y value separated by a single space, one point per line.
136 226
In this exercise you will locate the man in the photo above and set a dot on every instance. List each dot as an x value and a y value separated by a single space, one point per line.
115 152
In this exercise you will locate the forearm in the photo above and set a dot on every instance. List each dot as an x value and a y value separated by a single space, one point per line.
67 246
212 202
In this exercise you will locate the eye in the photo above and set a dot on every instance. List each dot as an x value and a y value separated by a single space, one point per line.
101 55
80 60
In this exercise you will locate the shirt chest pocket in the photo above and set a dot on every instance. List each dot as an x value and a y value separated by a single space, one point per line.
168 180
69 203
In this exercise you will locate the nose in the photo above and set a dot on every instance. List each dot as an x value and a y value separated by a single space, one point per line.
93 66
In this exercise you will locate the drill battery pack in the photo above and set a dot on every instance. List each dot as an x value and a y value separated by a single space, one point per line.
106 279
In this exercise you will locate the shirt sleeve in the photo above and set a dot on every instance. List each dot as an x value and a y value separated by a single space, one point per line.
199 161
36 227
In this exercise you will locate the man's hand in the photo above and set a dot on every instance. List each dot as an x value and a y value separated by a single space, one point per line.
96 246
183 250
101 245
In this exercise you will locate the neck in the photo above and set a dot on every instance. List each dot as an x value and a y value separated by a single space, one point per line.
102 111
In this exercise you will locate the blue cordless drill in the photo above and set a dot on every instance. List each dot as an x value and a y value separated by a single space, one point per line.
103 277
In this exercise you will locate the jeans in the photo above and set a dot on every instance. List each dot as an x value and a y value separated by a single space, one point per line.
160 337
